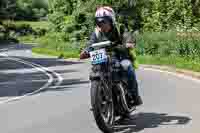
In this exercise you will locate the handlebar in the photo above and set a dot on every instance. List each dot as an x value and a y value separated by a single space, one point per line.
101 44
105 44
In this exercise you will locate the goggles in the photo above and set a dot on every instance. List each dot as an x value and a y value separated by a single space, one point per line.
102 20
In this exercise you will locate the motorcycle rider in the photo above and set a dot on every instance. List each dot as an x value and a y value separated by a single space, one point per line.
106 29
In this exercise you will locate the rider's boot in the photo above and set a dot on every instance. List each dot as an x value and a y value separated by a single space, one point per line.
137 101
133 88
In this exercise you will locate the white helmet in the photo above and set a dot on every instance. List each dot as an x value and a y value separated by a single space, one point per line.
105 13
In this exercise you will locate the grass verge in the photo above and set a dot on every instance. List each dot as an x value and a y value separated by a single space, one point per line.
53 44
173 61
27 39
63 54
34 24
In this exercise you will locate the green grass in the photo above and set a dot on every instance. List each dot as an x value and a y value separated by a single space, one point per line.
53 44
27 39
167 48
65 54
34 24
174 61
168 43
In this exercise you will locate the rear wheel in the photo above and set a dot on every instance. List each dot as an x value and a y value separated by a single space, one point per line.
102 106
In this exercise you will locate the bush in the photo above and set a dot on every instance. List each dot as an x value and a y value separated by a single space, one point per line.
24 29
168 43
30 9
56 41
57 19
40 31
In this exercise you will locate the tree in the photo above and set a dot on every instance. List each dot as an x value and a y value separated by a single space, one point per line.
7 9
151 15
31 9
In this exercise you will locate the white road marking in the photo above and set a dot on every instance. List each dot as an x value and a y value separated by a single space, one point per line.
60 79
39 68
3 54
173 73
28 94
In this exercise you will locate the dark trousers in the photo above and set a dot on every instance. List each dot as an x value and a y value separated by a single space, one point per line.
132 81
130 73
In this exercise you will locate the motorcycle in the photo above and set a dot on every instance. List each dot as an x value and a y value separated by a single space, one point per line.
109 93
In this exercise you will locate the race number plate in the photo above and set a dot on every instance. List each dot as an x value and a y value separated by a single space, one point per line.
98 56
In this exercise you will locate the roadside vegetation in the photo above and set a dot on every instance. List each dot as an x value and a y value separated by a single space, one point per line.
14 15
176 49
168 30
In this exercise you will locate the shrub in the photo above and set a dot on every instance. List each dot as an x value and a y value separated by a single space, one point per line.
24 29
168 43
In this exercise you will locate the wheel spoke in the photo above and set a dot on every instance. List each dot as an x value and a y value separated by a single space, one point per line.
106 105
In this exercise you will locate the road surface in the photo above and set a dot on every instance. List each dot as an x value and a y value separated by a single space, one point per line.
48 95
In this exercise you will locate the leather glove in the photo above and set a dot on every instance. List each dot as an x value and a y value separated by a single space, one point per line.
84 55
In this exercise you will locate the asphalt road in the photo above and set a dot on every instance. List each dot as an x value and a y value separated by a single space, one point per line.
47 95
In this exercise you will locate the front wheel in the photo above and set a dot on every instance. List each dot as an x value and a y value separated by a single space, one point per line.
102 106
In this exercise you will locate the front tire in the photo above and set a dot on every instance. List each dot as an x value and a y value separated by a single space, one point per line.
102 106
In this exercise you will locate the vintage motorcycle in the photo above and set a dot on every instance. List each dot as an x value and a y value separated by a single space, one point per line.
109 94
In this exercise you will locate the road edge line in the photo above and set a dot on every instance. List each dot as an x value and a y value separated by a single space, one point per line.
180 75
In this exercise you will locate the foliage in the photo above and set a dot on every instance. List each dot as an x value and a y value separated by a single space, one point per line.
75 18
34 24
7 9
152 15
56 41
11 30
20 10
31 9
182 44
23 9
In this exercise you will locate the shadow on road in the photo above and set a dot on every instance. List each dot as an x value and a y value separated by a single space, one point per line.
46 62
142 121
14 46
17 79
67 84
49 62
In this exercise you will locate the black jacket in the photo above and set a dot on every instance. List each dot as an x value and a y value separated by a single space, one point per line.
117 37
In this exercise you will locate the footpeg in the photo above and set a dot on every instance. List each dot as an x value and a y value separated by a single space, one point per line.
91 109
